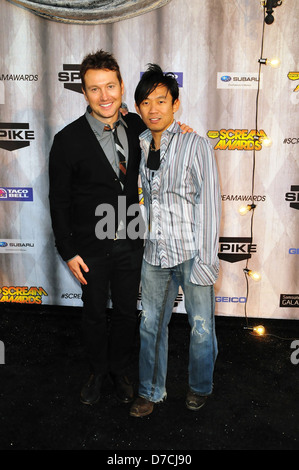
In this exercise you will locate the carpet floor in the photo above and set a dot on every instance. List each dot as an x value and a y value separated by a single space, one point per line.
254 405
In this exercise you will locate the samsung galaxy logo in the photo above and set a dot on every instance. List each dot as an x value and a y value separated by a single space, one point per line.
289 300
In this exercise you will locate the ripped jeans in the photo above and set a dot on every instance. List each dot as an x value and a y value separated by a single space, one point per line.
159 290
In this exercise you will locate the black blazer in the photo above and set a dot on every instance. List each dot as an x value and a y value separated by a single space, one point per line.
81 178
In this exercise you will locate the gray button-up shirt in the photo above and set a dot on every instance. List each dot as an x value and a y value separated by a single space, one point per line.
106 139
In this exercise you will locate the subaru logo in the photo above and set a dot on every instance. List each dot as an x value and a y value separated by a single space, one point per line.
226 78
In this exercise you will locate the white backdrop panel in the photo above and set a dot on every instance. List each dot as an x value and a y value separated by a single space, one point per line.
202 42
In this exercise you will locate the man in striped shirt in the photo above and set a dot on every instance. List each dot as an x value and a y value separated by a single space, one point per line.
182 202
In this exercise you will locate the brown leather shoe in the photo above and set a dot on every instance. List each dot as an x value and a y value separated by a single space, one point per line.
141 407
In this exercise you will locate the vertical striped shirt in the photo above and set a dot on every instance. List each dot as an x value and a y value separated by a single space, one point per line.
182 204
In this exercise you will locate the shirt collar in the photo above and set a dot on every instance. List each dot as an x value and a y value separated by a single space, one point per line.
172 129
99 125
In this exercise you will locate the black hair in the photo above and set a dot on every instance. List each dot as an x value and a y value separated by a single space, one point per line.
153 77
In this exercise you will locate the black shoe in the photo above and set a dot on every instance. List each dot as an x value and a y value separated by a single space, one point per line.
91 392
123 388
194 401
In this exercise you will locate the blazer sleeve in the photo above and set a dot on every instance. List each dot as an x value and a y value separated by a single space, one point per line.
135 123
60 177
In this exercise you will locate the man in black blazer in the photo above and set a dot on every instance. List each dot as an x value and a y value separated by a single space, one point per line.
89 202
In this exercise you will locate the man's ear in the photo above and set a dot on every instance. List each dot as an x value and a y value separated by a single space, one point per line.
137 109
176 105
83 91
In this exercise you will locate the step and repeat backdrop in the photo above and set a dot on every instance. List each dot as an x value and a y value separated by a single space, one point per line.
214 48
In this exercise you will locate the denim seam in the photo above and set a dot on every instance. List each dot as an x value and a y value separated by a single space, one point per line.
212 303
161 318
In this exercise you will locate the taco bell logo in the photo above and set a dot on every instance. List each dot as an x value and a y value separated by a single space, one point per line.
16 194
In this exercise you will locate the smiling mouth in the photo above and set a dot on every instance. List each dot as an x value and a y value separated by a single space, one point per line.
106 105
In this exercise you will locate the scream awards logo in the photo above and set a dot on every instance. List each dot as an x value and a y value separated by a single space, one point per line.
238 139
294 76
14 136
17 77
22 295
70 76
233 249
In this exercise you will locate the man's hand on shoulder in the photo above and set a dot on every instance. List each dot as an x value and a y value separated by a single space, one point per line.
185 128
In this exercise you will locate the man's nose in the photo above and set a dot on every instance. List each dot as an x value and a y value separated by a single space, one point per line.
153 108
104 94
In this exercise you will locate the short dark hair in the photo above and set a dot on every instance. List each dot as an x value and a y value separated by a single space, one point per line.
99 60
153 77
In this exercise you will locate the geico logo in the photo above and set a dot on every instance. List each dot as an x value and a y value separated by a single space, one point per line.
68 76
237 248
14 134
294 251
240 300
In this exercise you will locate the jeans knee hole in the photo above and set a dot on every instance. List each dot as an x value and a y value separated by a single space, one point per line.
199 328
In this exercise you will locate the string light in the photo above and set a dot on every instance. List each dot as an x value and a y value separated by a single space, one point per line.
254 275
243 210
266 141
274 63
259 330
268 6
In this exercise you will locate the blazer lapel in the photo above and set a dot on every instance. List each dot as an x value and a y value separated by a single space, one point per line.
97 150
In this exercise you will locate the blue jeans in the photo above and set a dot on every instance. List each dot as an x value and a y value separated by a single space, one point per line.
159 290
